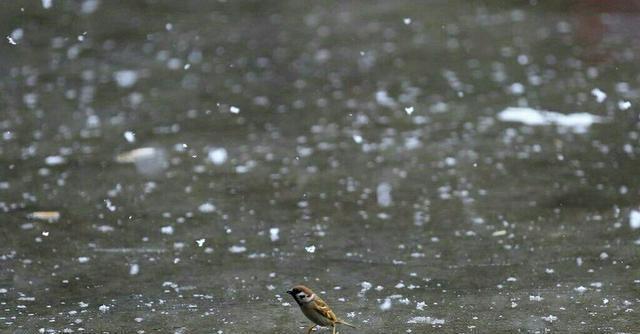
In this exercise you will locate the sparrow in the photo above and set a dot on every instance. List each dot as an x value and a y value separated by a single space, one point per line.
315 308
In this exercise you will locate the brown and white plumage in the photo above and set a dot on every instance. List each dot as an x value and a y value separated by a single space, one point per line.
315 309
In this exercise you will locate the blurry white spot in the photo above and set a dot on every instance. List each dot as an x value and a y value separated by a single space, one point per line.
148 160
130 136
409 110
90 6
103 308
166 230
579 261
83 259
200 242
407 20
46 4
535 298
450 161
45 233
366 286
577 122
499 233
550 318
420 306
274 233
207 208
125 78
109 205
426 320
104 228
234 109
54 160
134 269
237 249
17 34
50 216
137 154
322 56
217 156
523 59
511 279
357 139
412 143
580 289
310 249
549 271
634 219
383 192
386 305
516 88
11 41
604 256
624 105
3 290
383 99
599 95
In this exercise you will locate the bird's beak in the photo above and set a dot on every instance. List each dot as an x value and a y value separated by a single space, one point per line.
290 292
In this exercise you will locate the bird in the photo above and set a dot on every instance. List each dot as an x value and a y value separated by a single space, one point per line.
315 309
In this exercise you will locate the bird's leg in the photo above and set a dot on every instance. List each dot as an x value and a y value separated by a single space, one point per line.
311 328
334 328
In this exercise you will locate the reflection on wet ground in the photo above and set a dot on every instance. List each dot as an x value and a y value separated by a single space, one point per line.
174 167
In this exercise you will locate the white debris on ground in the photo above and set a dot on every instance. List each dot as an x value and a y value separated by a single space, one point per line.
634 219
206 207
383 192
383 99
535 298
426 320
624 105
386 305
599 95
148 160
50 216
125 78
576 122
55 160
237 249
274 234
168 230
130 136
580 289
217 156
310 249
409 110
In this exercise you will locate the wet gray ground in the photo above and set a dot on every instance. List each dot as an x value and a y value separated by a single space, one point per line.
360 148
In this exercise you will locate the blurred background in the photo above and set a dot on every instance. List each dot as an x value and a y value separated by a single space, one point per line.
436 166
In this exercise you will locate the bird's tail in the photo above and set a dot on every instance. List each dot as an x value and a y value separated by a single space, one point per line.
340 321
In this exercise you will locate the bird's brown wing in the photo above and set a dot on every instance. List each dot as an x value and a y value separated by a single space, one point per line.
325 310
